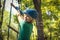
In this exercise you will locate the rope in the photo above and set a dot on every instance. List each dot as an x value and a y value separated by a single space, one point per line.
19 2
9 20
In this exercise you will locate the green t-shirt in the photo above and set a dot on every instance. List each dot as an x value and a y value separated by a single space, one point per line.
25 30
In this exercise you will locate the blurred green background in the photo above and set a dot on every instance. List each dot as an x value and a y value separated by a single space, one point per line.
51 20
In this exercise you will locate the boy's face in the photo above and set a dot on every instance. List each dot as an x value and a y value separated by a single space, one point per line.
27 18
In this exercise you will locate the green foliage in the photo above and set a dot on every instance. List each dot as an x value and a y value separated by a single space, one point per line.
51 22
26 3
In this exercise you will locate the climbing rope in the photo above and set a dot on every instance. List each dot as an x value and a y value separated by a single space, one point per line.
17 8
9 21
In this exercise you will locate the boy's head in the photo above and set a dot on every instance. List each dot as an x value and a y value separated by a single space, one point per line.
27 18
30 14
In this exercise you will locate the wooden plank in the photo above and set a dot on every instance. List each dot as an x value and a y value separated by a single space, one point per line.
13 29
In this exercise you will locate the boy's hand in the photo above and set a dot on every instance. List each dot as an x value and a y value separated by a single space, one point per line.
14 6
18 11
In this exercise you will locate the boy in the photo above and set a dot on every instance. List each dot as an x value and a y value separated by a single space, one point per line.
26 25
25 21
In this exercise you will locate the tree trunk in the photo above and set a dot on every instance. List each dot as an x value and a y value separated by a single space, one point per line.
37 4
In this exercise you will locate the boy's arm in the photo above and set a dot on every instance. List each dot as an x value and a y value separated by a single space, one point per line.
18 13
